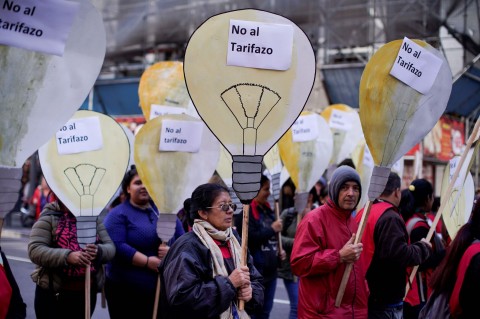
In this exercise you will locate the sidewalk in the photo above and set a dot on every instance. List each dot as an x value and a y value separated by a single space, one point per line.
14 228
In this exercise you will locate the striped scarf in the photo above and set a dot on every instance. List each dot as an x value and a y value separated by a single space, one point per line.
207 233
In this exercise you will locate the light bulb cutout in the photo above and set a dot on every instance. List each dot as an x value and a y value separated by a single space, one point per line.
38 88
163 84
171 176
39 92
346 130
458 208
306 158
395 111
248 109
86 181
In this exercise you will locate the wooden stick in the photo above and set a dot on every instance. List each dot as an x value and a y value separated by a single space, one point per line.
157 297
157 291
87 292
448 193
279 234
243 260
348 268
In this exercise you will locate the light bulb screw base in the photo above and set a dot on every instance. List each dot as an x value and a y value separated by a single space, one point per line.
246 175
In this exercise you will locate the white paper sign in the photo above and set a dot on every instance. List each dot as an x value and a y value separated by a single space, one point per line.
305 128
340 120
41 26
260 45
416 66
158 110
80 135
182 136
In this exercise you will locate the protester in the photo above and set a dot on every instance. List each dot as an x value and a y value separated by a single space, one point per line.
41 196
61 263
323 247
387 253
288 192
201 276
263 243
11 301
458 275
132 274
419 199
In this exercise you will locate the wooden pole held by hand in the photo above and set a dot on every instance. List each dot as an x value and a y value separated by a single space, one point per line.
241 303
348 268
279 234
157 292
87 292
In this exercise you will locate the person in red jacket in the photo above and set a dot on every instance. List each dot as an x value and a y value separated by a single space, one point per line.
323 247
387 253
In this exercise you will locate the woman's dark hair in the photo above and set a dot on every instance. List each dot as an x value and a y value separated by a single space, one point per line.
444 277
263 180
415 197
202 197
129 175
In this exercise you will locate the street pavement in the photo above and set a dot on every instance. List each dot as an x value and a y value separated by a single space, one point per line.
14 240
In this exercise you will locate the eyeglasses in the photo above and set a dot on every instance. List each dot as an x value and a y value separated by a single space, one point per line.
225 207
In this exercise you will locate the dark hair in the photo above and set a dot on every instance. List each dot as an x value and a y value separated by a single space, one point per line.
415 197
263 180
315 197
348 162
129 175
406 205
393 183
202 197
445 276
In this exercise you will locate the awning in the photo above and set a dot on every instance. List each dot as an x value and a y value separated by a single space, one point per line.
465 97
342 84
115 97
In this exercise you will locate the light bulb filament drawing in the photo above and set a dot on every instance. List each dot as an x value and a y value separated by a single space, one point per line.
250 104
85 179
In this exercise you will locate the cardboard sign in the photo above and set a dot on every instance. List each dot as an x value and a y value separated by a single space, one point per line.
341 120
416 66
41 26
305 128
260 45
158 110
183 136
79 135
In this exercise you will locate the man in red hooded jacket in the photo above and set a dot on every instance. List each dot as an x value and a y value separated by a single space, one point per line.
323 247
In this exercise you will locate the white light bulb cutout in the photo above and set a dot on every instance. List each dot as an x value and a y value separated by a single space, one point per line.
247 109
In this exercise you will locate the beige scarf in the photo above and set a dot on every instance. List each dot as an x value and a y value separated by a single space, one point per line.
206 233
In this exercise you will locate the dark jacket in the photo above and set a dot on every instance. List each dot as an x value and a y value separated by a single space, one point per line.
188 289
262 242
387 273
289 221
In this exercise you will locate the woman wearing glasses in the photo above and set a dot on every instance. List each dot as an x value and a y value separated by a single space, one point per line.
201 275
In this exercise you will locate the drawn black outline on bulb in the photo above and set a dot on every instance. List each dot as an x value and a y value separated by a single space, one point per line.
85 188
250 125
247 167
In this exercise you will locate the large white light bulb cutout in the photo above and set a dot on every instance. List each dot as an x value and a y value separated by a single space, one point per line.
248 109
39 92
